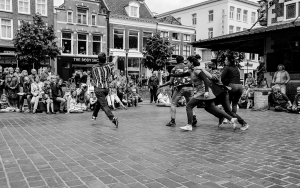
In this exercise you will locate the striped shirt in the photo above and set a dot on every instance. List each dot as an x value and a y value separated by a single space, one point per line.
101 75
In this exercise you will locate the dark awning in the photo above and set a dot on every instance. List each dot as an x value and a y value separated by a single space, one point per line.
251 41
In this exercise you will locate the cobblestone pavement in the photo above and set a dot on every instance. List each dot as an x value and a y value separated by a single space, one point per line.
72 151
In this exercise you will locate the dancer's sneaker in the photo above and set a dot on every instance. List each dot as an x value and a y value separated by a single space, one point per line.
221 120
194 124
244 127
115 121
171 123
94 118
233 121
187 128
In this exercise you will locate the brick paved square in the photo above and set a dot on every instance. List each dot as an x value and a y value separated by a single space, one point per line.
73 151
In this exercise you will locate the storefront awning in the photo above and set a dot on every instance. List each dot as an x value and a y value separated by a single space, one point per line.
250 41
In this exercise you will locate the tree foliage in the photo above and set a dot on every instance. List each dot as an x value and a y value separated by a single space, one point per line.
157 52
222 54
35 42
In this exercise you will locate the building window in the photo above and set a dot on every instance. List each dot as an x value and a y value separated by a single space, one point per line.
206 55
146 35
134 11
231 29
187 38
178 19
186 52
5 5
41 7
82 44
176 51
238 29
252 56
194 19
253 15
210 33
134 40
245 16
70 17
290 11
238 14
118 38
97 44
210 15
94 19
164 34
245 29
81 16
24 6
175 36
67 43
6 29
231 12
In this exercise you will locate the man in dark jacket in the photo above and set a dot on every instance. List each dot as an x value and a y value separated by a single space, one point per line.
26 94
56 94
153 86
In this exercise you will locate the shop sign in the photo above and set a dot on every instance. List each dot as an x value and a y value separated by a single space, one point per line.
78 59
133 69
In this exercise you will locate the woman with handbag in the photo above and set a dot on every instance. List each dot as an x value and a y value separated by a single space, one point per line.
204 93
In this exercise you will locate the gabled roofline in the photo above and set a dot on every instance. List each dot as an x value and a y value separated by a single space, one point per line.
201 4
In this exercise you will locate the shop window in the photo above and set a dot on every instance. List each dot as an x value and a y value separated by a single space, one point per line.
24 6
210 16
231 13
210 33
97 44
133 65
93 20
186 51
133 40
194 19
175 36
41 7
6 29
70 17
238 14
186 38
66 43
164 34
290 11
119 39
82 44
146 35
81 16
5 5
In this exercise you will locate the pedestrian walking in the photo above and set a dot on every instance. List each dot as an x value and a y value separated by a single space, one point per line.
153 86
100 77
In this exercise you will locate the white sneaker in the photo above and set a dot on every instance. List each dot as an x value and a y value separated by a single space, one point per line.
233 122
245 127
225 121
187 128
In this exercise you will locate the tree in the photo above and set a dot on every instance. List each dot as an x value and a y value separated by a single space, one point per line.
222 54
157 52
35 42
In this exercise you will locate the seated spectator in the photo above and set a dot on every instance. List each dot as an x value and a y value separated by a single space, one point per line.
133 96
250 81
112 97
56 95
36 89
279 100
243 103
3 103
25 94
93 100
250 102
82 98
72 82
73 106
163 99
295 108
46 96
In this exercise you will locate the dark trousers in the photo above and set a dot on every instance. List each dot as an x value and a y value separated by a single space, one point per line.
120 94
101 103
223 99
22 98
234 95
209 107
153 94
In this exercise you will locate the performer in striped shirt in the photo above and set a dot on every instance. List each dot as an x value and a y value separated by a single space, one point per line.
101 74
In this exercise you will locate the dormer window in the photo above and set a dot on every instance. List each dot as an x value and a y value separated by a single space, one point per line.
132 9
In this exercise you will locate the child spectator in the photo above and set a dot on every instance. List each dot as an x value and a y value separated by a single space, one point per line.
250 81
82 98
243 103
163 99
133 96
93 100
73 107
295 108
279 100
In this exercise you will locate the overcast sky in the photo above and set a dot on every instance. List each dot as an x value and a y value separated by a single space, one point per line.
158 6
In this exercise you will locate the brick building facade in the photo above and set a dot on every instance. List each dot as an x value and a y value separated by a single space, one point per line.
11 14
